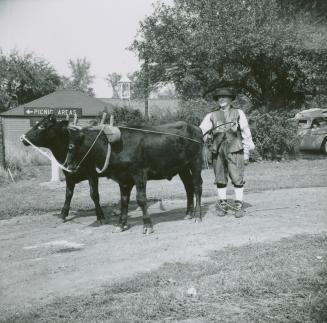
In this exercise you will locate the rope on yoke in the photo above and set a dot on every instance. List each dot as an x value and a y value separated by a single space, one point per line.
23 138
161 133
210 130
95 140
106 163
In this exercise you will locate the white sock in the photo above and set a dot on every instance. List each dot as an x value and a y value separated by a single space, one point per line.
238 193
222 193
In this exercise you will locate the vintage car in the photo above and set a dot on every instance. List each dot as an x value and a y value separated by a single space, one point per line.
312 129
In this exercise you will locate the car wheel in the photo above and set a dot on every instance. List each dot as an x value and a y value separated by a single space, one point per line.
324 146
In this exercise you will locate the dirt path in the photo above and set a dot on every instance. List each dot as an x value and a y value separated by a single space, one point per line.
42 258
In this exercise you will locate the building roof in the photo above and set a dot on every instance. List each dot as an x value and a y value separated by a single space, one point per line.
124 79
64 99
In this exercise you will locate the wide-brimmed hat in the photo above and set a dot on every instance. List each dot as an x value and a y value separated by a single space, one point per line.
223 92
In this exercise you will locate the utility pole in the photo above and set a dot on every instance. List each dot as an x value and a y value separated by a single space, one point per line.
146 89
2 147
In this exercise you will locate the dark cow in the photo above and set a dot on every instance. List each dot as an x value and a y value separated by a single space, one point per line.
143 154
53 134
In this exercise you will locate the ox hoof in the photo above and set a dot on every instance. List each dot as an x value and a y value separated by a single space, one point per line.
197 220
147 230
100 222
188 217
120 228
63 217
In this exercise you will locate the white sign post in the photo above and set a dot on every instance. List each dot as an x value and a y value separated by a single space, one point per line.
55 170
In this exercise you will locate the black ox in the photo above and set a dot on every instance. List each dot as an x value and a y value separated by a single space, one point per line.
52 134
140 155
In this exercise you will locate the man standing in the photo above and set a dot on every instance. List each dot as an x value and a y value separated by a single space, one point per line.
231 142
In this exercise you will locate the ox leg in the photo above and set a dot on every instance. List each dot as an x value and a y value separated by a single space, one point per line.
70 185
197 185
140 182
186 178
125 193
94 193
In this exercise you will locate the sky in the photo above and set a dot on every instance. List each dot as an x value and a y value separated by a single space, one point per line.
59 30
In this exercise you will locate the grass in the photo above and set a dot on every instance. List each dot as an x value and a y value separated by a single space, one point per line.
283 281
18 160
27 197
24 156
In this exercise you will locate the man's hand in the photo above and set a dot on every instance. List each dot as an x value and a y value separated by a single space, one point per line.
234 126
246 158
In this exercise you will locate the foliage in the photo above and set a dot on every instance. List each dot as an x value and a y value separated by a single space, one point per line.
122 116
125 115
256 46
112 80
139 86
23 78
17 160
274 134
193 111
20 157
81 77
315 9
159 90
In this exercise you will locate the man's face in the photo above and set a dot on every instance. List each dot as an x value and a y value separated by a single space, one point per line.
224 101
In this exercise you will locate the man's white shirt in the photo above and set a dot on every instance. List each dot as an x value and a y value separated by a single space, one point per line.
247 141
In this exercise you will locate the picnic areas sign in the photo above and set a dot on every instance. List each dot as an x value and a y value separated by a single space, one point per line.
59 112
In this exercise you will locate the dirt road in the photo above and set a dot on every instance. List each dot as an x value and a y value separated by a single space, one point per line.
43 258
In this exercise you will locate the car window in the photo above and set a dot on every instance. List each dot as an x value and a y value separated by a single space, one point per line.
316 123
303 123
323 122
319 122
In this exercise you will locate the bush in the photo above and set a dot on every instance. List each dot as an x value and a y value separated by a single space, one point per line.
163 116
18 157
122 116
193 111
4 176
125 115
274 135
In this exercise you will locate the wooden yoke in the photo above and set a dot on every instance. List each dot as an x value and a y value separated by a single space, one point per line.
75 119
104 115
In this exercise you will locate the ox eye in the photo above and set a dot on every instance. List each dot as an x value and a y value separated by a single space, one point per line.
71 146
40 127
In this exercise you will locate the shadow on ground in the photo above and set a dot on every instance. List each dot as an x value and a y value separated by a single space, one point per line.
170 215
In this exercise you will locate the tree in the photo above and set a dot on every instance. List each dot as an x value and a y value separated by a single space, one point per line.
81 77
251 45
23 78
112 80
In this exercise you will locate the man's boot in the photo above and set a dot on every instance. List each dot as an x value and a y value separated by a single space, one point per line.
238 209
222 207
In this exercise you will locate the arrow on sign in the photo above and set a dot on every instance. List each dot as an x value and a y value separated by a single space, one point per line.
28 111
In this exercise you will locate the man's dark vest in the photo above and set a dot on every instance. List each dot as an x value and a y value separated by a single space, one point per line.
233 140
